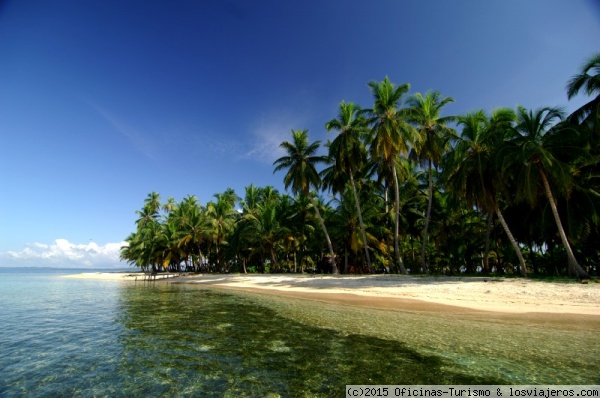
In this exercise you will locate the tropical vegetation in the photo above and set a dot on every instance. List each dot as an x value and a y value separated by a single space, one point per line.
403 188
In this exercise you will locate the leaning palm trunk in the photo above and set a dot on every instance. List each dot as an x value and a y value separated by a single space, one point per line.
397 221
331 253
513 241
360 220
574 267
427 218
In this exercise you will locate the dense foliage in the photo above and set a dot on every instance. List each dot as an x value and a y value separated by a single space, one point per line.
410 190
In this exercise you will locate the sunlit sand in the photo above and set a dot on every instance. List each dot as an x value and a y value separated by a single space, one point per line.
408 292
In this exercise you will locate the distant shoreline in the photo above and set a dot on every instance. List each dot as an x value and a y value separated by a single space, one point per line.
418 293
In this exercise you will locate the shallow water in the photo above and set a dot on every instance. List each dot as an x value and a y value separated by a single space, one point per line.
516 352
76 337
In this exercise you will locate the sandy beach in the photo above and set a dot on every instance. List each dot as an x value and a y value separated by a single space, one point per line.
419 293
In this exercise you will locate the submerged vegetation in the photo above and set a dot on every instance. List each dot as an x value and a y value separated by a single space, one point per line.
514 191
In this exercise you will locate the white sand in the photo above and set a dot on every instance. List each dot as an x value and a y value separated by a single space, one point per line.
479 293
116 276
491 294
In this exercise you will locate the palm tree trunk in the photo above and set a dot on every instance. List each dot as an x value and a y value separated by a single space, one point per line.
386 199
397 221
574 267
345 260
360 221
274 259
427 218
513 241
488 233
331 253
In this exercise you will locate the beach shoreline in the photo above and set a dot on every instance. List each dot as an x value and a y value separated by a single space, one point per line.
413 293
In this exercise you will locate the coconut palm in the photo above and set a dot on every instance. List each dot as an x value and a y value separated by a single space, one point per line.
149 212
193 227
534 154
152 202
588 80
265 227
132 251
471 171
170 205
222 216
391 137
349 153
432 142
302 225
302 174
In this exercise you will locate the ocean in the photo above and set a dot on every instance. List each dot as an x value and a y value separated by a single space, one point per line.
64 337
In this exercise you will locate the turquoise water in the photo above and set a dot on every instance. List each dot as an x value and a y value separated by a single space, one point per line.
77 337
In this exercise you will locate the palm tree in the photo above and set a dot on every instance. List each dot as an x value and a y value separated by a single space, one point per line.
301 225
149 212
302 174
153 242
170 205
152 202
144 246
589 113
433 141
132 252
534 154
470 169
265 227
174 254
349 153
222 216
193 228
391 136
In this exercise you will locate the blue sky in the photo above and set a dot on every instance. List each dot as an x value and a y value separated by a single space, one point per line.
102 102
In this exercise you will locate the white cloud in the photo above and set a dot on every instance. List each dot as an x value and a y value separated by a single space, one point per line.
270 133
265 147
64 254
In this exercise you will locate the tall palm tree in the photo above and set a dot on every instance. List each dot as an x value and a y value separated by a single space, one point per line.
251 199
433 140
588 80
149 212
349 153
174 254
301 224
152 202
470 169
391 137
193 227
534 154
302 174
222 216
